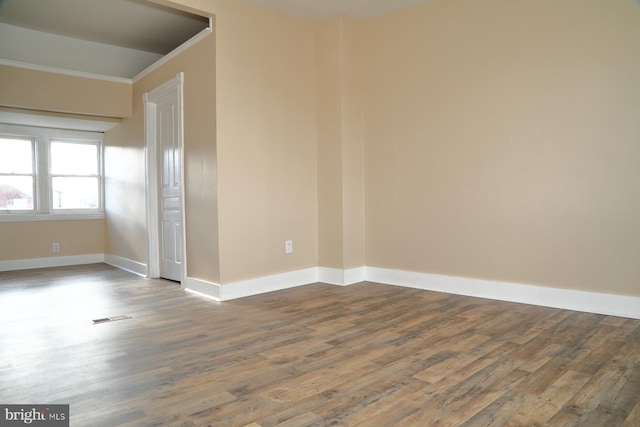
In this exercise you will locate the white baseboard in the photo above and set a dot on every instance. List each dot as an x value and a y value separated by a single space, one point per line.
126 264
57 261
202 287
276 282
568 299
355 275
245 288
336 276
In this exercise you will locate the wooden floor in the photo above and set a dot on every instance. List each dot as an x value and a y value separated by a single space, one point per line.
364 355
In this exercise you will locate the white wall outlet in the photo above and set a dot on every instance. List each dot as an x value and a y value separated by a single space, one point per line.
288 246
56 247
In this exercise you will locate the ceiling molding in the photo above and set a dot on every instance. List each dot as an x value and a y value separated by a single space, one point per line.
55 70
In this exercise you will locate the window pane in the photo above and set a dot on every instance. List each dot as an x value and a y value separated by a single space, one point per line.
16 156
75 193
16 192
68 158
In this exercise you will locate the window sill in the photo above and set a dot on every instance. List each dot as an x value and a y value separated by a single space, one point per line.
24 217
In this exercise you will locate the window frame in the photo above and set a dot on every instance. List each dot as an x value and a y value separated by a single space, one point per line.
42 138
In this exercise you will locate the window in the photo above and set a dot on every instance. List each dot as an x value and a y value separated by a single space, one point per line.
49 174
17 175
75 178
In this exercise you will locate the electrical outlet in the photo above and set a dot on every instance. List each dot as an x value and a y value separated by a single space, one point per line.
288 246
56 247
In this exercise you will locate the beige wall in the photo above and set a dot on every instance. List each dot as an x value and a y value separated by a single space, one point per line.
265 73
329 134
340 143
353 143
502 142
34 239
40 90
125 166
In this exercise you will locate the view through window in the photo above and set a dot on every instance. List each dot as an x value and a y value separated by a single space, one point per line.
49 171
74 175
16 174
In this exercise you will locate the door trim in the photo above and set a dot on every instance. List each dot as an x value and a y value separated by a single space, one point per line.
152 182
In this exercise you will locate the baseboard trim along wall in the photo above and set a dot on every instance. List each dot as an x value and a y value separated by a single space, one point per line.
336 276
271 283
202 288
568 299
126 264
246 288
56 261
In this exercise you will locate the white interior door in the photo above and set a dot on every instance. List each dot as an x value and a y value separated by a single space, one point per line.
170 205
164 169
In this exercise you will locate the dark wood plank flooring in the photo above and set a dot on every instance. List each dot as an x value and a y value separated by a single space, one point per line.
319 355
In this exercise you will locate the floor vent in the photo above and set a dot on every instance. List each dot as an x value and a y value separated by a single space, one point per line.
110 319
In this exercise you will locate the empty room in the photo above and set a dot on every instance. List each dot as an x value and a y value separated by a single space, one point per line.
311 213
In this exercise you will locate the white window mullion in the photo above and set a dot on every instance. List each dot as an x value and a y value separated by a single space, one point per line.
100 154
43 182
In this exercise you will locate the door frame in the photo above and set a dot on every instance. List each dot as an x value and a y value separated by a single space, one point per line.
152 165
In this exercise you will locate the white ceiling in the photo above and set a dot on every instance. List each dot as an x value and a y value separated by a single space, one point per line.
113 38
121 38
133 24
